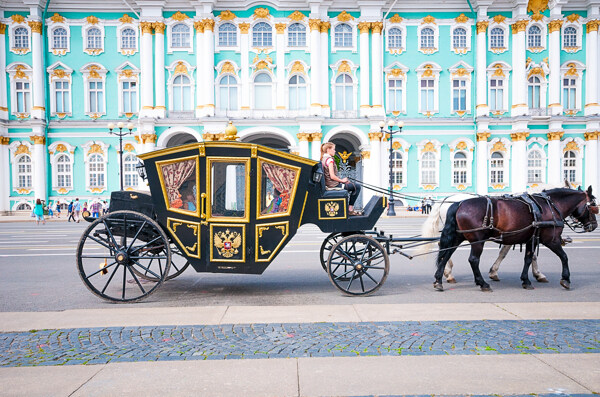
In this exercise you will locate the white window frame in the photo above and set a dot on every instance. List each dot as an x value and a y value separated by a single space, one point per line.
19 72
425 148
391 74
499 71
505 35
133 173
21 202
398 145
84 33
273 35
93 72
307 92
542 168
13 48
468 28
578 37
436 35
467 147
175 70
402 29
578 150
306 34
543 37
505 150
53 78
218 46
568 68
14 158
337 70
120 30
463 72
127 72
67 150
218 86
87 155
423 73
273 90
171 23
291 70
353 27
51 28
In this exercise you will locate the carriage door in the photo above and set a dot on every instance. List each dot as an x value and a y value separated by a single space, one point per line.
227 209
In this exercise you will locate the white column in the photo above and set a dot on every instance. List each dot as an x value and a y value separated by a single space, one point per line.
303 138
482 108
39 166
554 78
555 176
209 67
324 70
38 105
591 89
370 172
316 145
160 109
365 59
149 140
519 161
591 161
375 139
3 90
377 72
519 79
201 73
482 162
146 71
315 80
280 65
245 64
4 175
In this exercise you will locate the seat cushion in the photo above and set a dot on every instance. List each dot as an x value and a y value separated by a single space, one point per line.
335 193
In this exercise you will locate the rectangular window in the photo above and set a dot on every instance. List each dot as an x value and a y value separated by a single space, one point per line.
459 95
496 95
228 195
96 93
395 95
427 92
569 94
23 97
129 97
62 99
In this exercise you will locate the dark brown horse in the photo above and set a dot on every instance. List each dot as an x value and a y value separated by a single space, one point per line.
508 222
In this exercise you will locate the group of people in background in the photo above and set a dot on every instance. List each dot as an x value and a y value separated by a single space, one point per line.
76 209
426 204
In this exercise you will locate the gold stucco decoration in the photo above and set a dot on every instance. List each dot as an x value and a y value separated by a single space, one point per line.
159 27
537 7
498 147
280 27
95 148
572 70
179 16
555 25
296 16
482 26
396 72
573 17
261 12
227 15
461 145
36 26
461 72
315 24
146 27
325 26
462 18
16 18
128 147
519 26
180 68
344 67
126 19
396 19
571 146
364 27
537 71
428 70
92 20
22 149
429 147
262 65
483 136
592 26
227 68
344 17
244 27
519 136
297 67
428 19
19 73
57 18
591 136
93 71
61 148
498 72
499 18
38 139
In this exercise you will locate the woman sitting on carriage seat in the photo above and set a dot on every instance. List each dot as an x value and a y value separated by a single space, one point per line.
332 181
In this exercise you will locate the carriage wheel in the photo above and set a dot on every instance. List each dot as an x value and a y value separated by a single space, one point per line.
358 265
116 244
179 263
328 244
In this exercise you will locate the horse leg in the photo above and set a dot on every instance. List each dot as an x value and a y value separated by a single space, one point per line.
448 272
494 269
565 279
443 258
476 250
528 258
539 276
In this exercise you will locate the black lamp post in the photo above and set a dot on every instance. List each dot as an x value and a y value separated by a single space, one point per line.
120 134
391 123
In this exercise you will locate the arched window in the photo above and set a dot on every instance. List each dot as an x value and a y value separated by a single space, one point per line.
227 35
297 35
63 172
533 88
297 93
460 168
570 166
130 175
59 38
534 37
94 39
228 93
128 39
263 92
397 175
534 167
23 92
497 38
569 94
570 37
343 35
427 38
395 38
21 38
394 95
262 35
24 174
180 36
24 207
182 97
428 169
96 171
497 168
459 38
344 92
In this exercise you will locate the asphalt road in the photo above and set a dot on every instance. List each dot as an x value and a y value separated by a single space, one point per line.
38 273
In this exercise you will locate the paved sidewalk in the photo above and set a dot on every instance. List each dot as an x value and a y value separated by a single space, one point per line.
411 349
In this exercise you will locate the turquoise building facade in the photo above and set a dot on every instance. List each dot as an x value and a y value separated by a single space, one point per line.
494 97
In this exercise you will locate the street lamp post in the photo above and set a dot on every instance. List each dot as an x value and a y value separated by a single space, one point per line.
120 134
391 123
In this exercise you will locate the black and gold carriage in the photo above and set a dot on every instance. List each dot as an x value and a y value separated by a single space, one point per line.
225 207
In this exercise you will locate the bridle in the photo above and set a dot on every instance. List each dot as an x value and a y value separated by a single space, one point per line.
574 221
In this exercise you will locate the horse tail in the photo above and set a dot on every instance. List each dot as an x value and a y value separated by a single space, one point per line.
432 225
449 235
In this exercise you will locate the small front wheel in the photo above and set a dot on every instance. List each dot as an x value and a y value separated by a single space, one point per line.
358 265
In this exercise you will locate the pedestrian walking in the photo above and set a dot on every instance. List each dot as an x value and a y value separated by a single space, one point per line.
422 206
77 210
95 208
104 207
50 210
57 209
71 212
428 204
38 211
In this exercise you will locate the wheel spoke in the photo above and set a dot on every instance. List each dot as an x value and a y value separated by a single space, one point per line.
136 235
124 237
147 269
124 282
147 244
146 257
110 278
97 256
102 243
375 267
102 269
351 280
368 275
364 252
362 284
136 280
110 233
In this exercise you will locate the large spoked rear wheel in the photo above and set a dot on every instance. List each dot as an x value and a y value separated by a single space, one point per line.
115 249
179 263
328 244
358 265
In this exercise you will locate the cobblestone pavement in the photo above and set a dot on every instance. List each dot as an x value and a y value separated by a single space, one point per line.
219 342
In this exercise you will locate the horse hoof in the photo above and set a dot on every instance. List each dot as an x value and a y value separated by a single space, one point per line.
494 277
528 286
542 280
451 280
565 284
438 286
485 288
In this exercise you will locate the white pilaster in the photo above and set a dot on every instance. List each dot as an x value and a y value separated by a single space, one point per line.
324 70
160 109
554 104
365 59
39 166
209 67
38 110
377 72
555 176
315 152
591 161
591 106
303 138
245 64
4 175
482 108
315 75
519 79
201 73
370 172
519 158
280 62
146 71
3 90
375 140
482 162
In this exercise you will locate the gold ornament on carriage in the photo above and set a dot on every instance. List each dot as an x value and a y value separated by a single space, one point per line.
332 208
227 243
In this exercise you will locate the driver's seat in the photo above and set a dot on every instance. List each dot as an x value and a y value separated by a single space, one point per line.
331 192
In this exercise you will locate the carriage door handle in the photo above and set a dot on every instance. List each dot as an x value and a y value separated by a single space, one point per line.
203 206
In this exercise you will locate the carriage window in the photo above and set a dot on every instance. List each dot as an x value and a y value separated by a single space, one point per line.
277 188
228 195
180 183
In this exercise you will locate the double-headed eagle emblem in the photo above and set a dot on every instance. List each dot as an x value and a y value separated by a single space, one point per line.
332 208
227 243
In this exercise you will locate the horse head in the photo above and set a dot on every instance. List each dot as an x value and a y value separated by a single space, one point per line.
586 210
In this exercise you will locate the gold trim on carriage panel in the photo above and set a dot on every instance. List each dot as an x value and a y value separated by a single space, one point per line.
163 152
173 223
341 204
259 187
303 206
209 162
242 246
284 226
158 165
